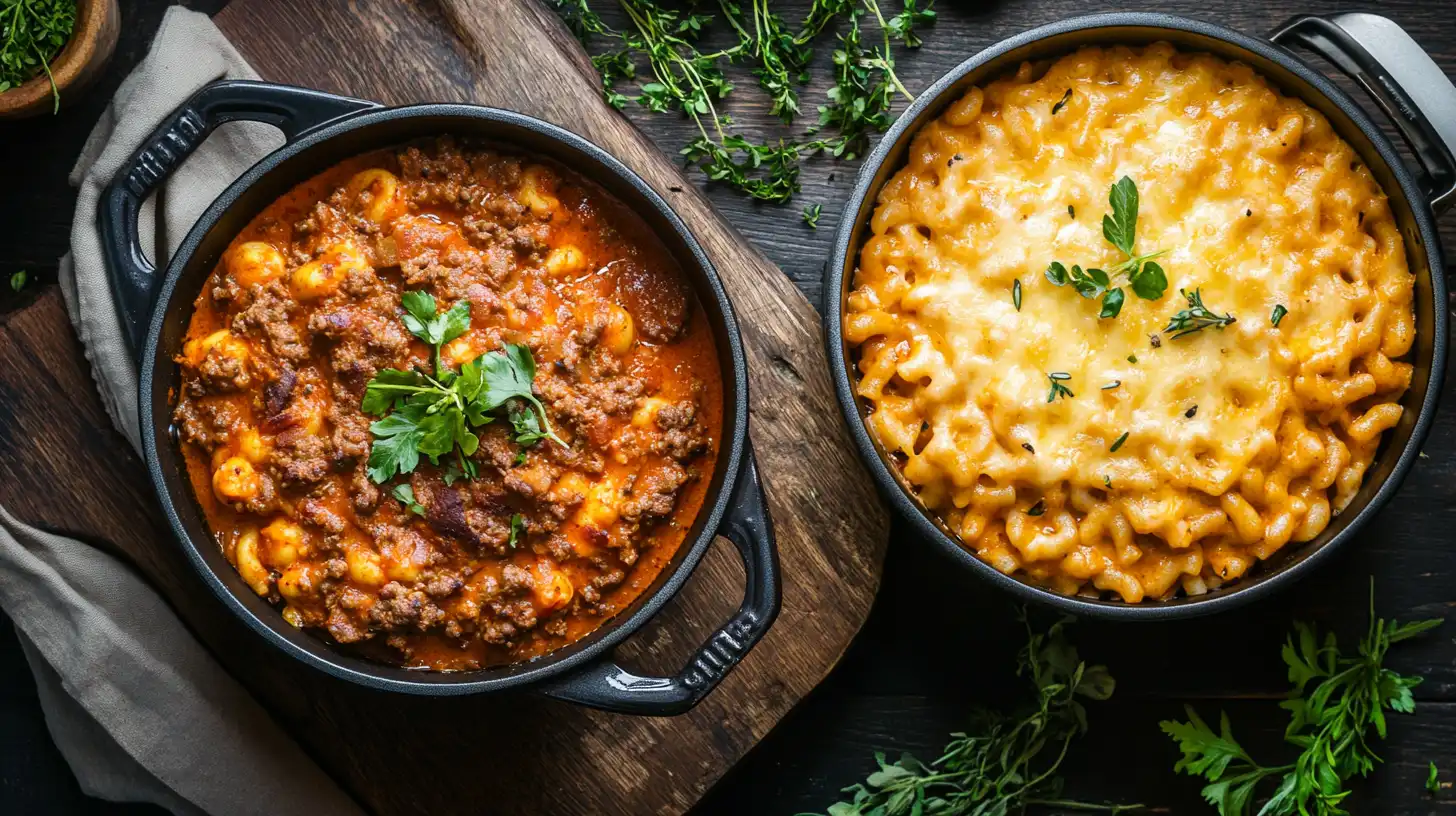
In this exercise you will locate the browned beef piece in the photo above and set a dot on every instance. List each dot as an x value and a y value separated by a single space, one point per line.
655 493
683 436
268 317
300 458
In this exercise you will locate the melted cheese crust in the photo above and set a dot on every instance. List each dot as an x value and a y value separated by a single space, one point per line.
1256 202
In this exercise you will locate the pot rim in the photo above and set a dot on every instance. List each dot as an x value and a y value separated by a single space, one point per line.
841 263
613 630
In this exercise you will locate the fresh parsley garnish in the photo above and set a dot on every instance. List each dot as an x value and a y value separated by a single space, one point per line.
1111 303
35 32
1433 780
19 280
1016 293
1336 700
518 530
1120 229
1006 763
1056 378
525 425
811 215
1278 315
424 321
1132 358
406 496
433 416
1036 509
1146 278
1118 443
1091 284
1196 317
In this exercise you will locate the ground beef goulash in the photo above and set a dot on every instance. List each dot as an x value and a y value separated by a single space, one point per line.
305 308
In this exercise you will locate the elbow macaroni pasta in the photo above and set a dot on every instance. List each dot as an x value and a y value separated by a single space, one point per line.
1257 202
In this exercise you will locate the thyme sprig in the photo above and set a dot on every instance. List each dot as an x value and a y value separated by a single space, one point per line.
1006 763
687 79
1196 317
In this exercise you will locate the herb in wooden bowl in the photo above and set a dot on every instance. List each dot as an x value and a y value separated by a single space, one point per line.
32 34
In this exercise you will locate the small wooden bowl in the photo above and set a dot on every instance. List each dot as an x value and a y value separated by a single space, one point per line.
98 22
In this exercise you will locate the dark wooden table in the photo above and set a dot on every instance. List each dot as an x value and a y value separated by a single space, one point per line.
937 644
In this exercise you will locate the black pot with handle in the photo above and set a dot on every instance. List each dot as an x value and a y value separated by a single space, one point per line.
1404 82
321 130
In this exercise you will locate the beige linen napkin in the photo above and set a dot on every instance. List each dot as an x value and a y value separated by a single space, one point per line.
138 708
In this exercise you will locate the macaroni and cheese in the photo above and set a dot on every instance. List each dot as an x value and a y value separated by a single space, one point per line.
1095 454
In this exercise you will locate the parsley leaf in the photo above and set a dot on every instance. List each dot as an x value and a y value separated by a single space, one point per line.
1111 303
518 530
1433 780
1278 315
421 319
433 416
1120 226
406 495
1149 282
509 374
396 447
524 423
1090 284
19 280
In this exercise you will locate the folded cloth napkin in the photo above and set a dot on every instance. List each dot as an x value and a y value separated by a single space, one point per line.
138 708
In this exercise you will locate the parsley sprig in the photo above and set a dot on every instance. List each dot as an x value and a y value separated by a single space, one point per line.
32 34
1196 317
432 416
1336 700
1119 228
1006 763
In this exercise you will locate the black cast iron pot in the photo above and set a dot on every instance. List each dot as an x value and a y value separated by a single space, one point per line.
321 130
1374 52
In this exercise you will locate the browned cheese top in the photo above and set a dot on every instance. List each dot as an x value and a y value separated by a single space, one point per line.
305 309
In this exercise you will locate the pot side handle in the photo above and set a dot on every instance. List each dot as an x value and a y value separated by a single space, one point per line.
1401 77
134 279
607 686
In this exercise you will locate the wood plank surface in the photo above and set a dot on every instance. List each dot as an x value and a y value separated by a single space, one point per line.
936 644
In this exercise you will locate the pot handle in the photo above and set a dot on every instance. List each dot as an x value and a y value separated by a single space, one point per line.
134 279
1398 74
608 686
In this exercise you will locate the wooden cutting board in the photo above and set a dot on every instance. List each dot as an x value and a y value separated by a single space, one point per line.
549 757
